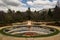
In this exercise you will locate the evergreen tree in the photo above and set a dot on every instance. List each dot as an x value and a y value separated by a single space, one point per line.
28 13
50 13
56 13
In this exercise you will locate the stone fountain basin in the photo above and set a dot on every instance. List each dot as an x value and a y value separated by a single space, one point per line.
28 31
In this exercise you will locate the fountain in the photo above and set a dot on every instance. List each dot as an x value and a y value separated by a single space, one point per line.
29 26
29 23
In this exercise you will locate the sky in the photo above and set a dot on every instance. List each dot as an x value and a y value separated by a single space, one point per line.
22 5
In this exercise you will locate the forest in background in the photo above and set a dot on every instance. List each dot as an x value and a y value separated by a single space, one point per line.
44 15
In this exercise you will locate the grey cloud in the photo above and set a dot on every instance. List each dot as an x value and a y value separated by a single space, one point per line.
31 0
2 4
10 3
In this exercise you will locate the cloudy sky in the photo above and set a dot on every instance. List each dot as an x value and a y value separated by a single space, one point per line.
22 5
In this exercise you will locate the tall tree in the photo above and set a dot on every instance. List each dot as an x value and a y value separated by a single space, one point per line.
9 16
28 13
56 13
2 17
50 13
18 16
